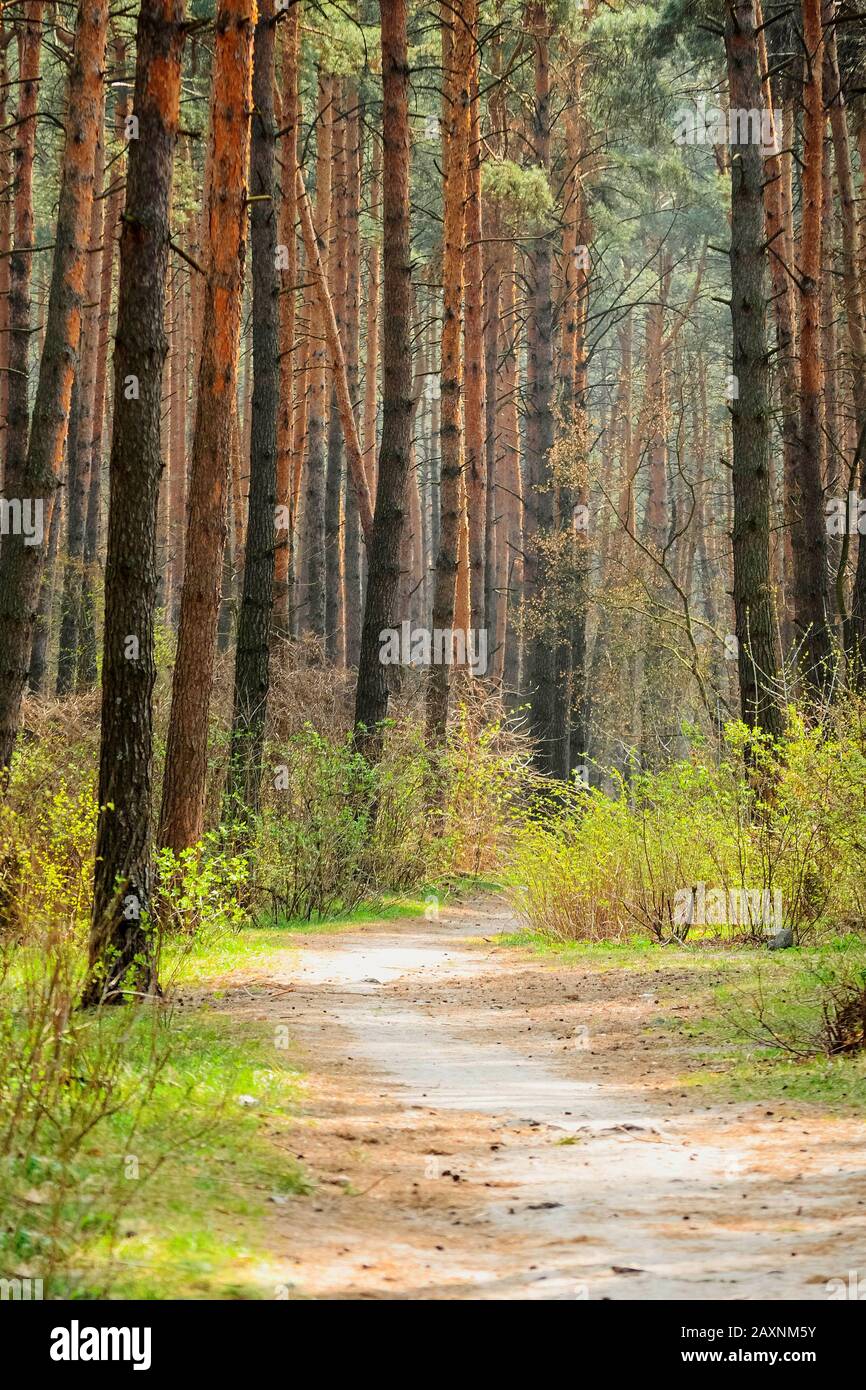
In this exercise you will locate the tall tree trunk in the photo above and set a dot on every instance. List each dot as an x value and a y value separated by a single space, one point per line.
299 436
21 261
475 466
572 694
351 517
383 578
809 535
36 477
80 449
334 641
37 676
751 407
110 234
238 502
122 957
493 540
508 631
251 667
371 369
435 460
855 627
314 501
185 783
458 42
777 224
6 36
176 425
334 348
541 657
288 317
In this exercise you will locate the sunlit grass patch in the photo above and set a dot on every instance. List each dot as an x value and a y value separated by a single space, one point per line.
635 952
196 1181
765 1027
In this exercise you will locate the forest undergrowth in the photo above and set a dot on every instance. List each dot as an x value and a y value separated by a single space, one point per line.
711 858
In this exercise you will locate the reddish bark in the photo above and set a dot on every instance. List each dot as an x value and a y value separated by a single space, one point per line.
184 787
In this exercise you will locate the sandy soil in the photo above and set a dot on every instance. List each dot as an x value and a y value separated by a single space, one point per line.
482 1123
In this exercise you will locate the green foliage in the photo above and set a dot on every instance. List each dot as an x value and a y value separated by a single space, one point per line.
815 1006
594 866
346 47
200 889
122 1132
335 831
523 195
47 829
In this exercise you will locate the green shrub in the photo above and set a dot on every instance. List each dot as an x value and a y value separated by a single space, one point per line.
774 836
334 830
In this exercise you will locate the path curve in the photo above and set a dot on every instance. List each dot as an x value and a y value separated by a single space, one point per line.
484 1123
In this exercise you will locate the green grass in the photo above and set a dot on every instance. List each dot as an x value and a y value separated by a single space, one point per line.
732 1060
837 1084
194 1221
788 989
636 952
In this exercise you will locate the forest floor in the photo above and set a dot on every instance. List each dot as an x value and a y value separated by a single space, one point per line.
485 1120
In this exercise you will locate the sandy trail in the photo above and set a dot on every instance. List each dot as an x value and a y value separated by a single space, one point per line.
484 1124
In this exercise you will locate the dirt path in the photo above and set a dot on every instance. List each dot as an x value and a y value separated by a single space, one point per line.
483 1124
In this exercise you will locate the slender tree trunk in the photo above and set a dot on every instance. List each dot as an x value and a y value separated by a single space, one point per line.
122 958
21 262
475 467
288 317
6 36
492 520
338 363
572 692
829 338
314 501
852 250
371 371
337 283
254 625
508 633
351 517
541 657
110 234
435 459
299 435
238 501
809 535
80 445
777 174
751 407
38 674
37 479
245 434
458 42
383 579
185 781
176 381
